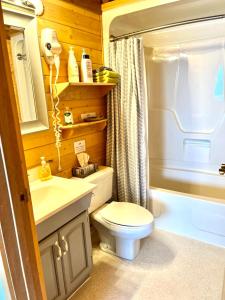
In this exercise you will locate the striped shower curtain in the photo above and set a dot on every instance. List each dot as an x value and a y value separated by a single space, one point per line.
126 131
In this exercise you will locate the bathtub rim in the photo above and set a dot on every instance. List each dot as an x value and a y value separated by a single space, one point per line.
187 195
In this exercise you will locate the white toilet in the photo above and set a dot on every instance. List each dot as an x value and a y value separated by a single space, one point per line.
120 225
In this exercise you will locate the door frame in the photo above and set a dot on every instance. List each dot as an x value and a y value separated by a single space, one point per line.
16 213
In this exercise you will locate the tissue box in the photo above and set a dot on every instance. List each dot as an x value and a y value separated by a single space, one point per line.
83 172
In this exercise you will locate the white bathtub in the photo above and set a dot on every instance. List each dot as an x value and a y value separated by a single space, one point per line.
198 217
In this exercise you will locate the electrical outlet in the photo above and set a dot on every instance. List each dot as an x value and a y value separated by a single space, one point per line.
79 146
88 115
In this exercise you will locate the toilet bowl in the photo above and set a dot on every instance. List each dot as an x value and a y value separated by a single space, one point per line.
120 225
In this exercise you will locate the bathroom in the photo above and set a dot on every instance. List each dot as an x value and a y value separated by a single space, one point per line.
167 244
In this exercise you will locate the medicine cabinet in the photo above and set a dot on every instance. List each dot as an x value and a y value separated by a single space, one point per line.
25 63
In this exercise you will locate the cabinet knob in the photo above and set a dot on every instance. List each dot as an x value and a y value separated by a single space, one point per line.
58 251
65 246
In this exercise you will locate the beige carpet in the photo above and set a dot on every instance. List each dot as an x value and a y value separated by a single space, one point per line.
168 267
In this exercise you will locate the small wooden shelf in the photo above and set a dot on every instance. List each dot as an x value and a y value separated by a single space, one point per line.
68 131
64 88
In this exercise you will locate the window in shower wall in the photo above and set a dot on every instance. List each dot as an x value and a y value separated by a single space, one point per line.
219 86
186 114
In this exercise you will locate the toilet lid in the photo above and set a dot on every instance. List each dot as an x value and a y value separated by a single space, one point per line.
127 214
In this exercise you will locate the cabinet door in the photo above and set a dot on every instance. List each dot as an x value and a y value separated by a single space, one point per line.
52 267
75 241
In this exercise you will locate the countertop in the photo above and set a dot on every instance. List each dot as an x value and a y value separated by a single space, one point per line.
53 195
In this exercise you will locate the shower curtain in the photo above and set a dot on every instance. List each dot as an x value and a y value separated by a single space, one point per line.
126 131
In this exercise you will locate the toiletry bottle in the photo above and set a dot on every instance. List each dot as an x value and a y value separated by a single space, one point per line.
86 68
44 172
68 116
73 71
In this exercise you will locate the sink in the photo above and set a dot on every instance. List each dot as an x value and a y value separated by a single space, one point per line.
50 196
44 193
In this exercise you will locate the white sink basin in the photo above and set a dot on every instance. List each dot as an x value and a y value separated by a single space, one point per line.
51 196
44 193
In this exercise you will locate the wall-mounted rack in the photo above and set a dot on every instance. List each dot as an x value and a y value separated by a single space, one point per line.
68 130
65 88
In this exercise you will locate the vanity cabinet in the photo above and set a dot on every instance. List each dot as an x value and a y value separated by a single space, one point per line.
66 257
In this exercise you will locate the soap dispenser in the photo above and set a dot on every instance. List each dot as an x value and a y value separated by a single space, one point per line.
44 171
86 68
73 70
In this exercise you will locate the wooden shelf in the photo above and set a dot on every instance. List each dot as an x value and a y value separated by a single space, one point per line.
68 131
64 88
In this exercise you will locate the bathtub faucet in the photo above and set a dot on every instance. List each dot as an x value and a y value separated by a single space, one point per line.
222 169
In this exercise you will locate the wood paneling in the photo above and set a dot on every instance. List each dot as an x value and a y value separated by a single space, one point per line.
116 3
76 26
91 5
72 16
71 35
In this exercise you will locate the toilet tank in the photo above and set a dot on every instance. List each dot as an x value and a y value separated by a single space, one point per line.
103 180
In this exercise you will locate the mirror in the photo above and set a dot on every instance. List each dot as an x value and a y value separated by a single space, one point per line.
25 64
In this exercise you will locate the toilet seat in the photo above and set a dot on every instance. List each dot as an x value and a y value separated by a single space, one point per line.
126 214
123 231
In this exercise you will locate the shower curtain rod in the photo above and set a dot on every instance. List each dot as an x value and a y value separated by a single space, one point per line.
171 25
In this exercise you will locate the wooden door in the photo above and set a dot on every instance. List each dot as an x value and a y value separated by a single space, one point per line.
75 242
16 214
52 267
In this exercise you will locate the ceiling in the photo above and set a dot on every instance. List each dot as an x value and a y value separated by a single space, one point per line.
93 5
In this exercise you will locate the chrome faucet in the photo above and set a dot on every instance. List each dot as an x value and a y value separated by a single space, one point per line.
222 169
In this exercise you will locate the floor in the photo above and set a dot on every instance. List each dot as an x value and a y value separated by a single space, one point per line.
168 267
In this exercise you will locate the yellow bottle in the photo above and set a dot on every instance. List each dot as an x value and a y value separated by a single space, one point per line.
44 172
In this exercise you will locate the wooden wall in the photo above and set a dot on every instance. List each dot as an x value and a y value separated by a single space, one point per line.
79 27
